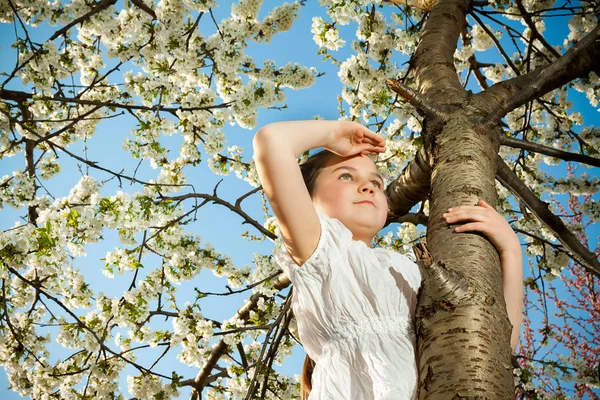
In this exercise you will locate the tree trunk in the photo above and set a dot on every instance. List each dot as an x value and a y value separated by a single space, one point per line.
463 328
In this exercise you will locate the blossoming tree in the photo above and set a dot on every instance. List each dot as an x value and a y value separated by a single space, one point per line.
149 61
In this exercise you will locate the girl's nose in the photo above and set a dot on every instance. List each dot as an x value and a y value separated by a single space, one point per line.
368 187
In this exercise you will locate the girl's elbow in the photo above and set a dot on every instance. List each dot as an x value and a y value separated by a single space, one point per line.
262 141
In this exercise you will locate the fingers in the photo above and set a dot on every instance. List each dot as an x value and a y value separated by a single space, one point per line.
472 226
484 204
480 204
459 215
371 153
362 139
375 142
372 137
374 149
369 149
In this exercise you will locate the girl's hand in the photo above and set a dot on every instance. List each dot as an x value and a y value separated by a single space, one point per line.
349 138
487 221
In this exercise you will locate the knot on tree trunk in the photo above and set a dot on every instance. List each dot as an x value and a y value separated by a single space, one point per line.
451 287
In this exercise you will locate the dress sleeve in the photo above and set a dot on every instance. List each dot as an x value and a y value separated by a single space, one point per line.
334 239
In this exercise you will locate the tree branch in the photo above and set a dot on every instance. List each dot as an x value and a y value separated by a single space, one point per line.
433 61
140 4
540 209
411 187
201 380
549 151
30 165
414 98
233 207
414 218
535 34
22 96
577 62
474 64
97 7
496 43
79 323
93 164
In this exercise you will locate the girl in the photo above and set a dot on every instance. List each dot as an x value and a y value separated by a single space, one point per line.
354 304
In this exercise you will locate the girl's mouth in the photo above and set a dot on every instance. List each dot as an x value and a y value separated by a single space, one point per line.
366 202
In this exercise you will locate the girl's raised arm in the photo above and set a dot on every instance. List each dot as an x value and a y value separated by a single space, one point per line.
276 149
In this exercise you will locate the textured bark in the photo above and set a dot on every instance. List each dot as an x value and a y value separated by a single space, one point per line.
461 317
32 213
434 58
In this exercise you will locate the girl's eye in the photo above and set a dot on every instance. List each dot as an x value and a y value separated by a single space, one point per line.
377 184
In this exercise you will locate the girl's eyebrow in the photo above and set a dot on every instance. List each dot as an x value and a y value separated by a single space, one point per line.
354 169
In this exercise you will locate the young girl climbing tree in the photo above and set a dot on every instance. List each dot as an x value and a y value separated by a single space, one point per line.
354 304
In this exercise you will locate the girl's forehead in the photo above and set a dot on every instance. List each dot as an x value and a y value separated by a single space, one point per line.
358 162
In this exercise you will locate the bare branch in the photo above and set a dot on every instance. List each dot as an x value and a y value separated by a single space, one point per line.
233 207
540 209
474 64
535 34
497 43
284 312
30 165
549 151
414 218
414 98
29 148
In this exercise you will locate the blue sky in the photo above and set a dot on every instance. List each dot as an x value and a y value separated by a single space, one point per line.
215 224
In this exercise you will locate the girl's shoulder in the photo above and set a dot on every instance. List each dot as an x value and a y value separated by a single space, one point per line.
334 240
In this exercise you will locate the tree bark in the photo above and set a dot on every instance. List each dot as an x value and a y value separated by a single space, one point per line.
462 319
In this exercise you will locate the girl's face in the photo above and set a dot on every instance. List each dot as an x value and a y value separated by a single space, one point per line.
351 190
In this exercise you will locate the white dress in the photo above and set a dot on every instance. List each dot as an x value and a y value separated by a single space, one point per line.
355 308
